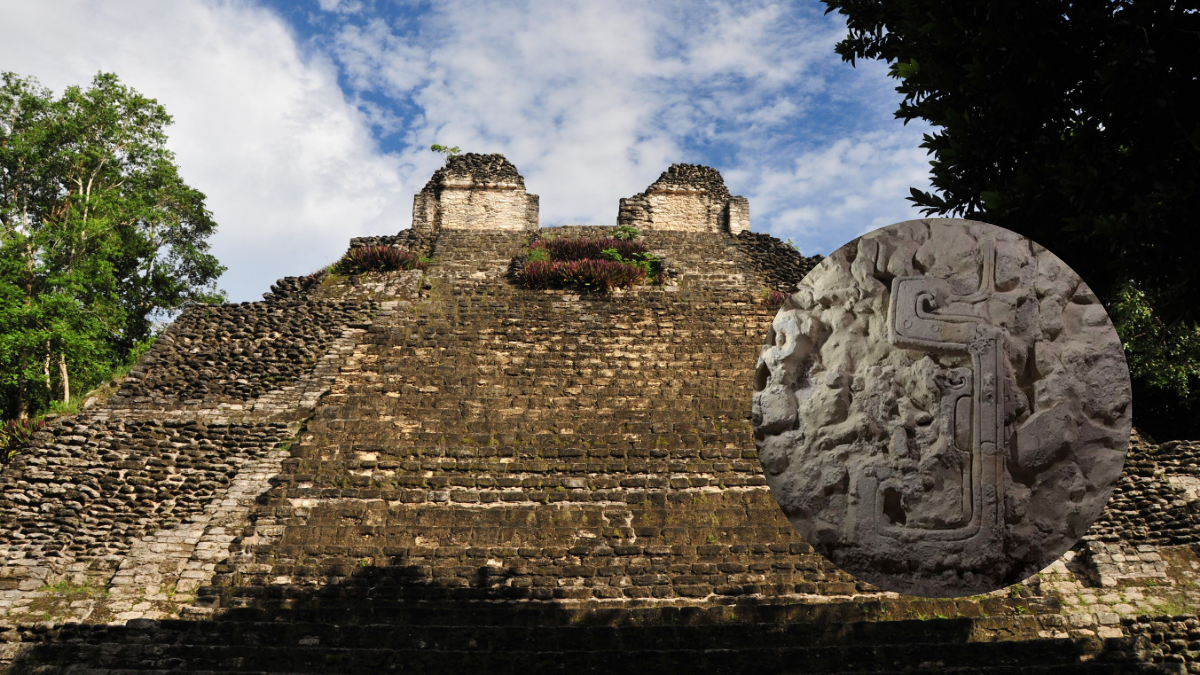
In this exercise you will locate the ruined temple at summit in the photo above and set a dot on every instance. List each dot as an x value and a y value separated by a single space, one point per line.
441 470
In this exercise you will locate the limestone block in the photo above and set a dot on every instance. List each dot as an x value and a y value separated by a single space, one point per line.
738 215
475 192
686 198
924 426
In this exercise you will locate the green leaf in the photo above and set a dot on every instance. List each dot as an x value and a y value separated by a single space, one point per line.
98 235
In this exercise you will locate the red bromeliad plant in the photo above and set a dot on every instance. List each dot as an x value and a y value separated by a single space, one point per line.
15 435
601 275
542 273
310 280
590 275
588 248
774 298
590 264
378 258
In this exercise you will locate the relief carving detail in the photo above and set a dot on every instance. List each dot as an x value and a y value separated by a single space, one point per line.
942 408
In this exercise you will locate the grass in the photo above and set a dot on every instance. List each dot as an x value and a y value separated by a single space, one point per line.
71 589
1173 607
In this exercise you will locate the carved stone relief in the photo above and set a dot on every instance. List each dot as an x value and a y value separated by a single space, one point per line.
942 407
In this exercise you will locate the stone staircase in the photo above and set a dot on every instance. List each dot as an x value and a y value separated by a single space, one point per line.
508 480
508 640
548 447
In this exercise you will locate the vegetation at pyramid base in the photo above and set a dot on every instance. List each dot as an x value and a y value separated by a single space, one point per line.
1164 363
1071 124
99 237
15 435
773 298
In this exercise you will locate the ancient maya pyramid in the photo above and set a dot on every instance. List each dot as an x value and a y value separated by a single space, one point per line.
436 471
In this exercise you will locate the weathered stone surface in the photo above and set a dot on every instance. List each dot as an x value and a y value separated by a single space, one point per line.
688 198
239 353
782 266
474 192
942 407
480 477
1157 500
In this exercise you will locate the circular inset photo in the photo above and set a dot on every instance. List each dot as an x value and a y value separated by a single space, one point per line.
942 407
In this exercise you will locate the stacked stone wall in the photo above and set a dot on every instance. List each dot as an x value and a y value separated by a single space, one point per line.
779 263
1170 640
686 198
475 192
88 488
411 239
1157 499
122 512
236 353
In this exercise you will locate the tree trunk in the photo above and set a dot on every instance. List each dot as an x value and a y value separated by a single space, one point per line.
22 401
66 380
46 370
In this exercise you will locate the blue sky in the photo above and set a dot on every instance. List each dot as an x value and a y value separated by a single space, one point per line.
307 123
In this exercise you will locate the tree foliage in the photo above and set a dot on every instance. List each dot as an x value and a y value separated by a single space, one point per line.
98 235
1074 124
446 151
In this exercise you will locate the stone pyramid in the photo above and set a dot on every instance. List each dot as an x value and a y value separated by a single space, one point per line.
431 471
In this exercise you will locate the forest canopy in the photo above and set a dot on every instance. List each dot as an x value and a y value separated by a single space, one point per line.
1074 124
99 235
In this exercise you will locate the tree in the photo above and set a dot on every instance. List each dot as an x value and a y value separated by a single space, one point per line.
1075 125
98 235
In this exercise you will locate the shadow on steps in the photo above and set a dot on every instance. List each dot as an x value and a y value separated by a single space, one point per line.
388 619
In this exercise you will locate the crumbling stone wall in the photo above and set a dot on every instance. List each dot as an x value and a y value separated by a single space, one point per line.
236 354
475 192
1157 500
688 198
412 240
129 503
1172 641
90 487
779 263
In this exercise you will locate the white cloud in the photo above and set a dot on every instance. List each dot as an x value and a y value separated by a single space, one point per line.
592 100
840 191
340 6
288 165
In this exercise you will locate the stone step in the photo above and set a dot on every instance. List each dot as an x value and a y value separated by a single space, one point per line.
468 434
509 487
549 663
597 491
981 658
528 468
435 646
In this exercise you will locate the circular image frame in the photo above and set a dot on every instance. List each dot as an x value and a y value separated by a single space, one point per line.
942 408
